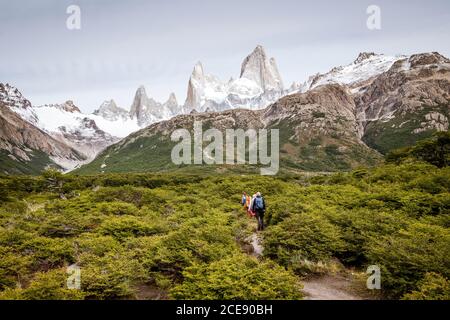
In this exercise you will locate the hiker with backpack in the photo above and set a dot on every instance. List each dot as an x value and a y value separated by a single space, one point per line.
259 207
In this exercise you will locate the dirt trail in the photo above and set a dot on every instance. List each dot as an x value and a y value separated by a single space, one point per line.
326 287
329 287
256 245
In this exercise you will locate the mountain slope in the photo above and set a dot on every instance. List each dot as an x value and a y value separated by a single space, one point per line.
67 124
366 67
318 131
25 148
407 103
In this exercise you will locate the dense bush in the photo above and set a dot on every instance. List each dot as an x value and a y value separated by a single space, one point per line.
239 278
303 236
49 285
405 256
432 287
184 235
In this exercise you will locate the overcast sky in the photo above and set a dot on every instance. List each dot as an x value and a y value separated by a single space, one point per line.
123 44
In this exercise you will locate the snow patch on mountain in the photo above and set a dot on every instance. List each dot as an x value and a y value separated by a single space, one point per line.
110 111
366 66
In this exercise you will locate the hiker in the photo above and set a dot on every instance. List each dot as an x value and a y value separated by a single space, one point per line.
247 205
250 211
244 199
259 207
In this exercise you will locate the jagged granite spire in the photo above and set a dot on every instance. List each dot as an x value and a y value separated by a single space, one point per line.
262 70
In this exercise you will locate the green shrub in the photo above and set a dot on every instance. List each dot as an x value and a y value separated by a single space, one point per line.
122 227
14 268
303 236
110 276
238 278
49 253
432 287
118 208
51 285
405 256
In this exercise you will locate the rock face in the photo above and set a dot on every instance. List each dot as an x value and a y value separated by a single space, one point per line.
263 71
26 149
204 90
259 85
171 105
318 131
12 97
146 110
143 108
407 103
110 111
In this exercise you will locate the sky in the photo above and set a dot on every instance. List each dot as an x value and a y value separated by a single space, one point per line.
124 44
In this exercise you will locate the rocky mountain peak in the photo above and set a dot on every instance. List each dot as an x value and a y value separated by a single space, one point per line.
146 110
12 97
171 108
69 106
172 99
106 105
263 71
198 72
139 103
295 87
141 92
89 123
422 59
110 111
363 56
193 94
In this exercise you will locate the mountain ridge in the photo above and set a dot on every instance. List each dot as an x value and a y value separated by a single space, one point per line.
398 98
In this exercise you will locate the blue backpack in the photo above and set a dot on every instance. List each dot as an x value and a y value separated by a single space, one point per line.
259 203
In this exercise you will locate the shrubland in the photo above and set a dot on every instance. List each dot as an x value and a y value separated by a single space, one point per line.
182 234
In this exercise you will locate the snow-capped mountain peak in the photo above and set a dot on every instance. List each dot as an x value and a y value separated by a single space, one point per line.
172 99
259 84
363 56
198 72
147 110
258 68
69 106
144 109
110 111
356 74
12 97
